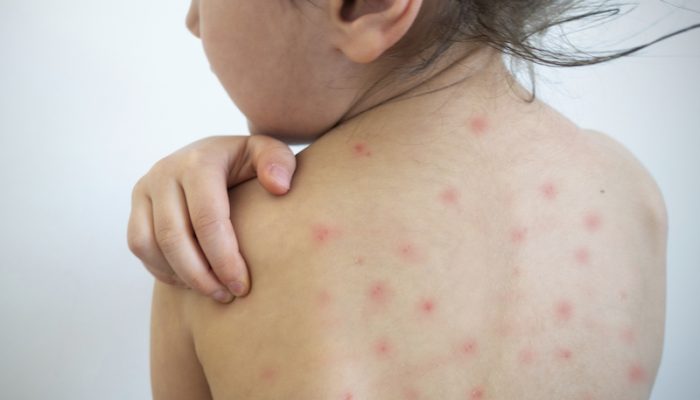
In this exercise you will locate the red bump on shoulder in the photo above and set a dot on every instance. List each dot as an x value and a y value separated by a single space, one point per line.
477 393
518 235
383 347
323 233
582 255
564 354
564 310
427 306
379 292
479 125
549 191
593 221
637 374
361 149
449 196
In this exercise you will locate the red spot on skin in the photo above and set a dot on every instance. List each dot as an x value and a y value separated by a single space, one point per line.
449 196
348 396
322 234
583 256
592 222
623 295
477 393
549 191
268 374
359 260
379 292
427 306
628 336
410 394
469 347
564 354
526 356
324 298
564 310
637 374
382 348
361 149
408 252
518 235
479 125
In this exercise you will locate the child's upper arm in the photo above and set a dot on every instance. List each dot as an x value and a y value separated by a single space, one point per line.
175 369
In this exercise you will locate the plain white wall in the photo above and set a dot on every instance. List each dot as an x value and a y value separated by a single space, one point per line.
93 93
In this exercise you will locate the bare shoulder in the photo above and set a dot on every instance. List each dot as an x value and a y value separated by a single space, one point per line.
627 170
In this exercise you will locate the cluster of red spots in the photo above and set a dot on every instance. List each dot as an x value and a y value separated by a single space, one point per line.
549 191
361 149
427 306
268 374
379 292
382 347
526 356
592 222
477 393
583 256
518 235
322 234
564 354
449 196
637 374
479 125
564 310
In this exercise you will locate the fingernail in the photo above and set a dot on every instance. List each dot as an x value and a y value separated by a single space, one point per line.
237 288
280 175
222 296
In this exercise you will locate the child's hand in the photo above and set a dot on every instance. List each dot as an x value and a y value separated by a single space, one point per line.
189 190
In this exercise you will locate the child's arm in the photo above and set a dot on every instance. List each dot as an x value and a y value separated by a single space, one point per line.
182 204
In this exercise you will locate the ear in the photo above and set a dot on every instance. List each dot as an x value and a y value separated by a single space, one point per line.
364 29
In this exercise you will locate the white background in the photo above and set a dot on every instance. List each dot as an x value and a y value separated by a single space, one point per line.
92 93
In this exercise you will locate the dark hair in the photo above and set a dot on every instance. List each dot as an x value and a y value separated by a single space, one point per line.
516 27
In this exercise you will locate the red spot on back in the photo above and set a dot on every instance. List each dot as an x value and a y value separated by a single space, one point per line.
410 394
323 298
564 310
637 374
518 235
408 252
427 306
549 191
382 347
348 396
479 125
526 356
449 196
379 292
628 336
477 393
359 260
564 354
583 256
362 150
268 374
592 222
322 234
469 347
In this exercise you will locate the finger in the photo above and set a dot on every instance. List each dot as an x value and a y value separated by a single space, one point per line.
273 161
209 208
177 243
141 239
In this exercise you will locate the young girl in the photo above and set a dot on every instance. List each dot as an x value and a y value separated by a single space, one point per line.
447 235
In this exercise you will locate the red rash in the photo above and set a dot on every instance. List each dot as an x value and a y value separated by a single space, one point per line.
382 348
592 222
379 293
427 306
583 256
477 393
322 234
517 235
469 347
549 191
564 354
637 374
408 252
479 125
526 356
564 310
361 150
449 196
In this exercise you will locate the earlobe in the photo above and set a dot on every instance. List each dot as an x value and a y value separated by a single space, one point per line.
364 29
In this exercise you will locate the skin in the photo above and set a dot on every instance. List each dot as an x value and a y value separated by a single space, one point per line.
460 244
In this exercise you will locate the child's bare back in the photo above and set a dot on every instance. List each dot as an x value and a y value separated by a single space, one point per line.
532 270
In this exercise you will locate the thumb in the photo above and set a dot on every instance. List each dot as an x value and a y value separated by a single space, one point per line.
274 163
